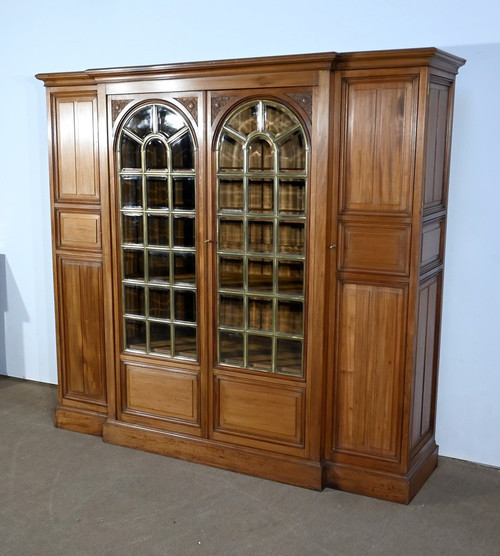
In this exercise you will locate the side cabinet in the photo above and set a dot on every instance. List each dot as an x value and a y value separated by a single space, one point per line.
248 260
79 274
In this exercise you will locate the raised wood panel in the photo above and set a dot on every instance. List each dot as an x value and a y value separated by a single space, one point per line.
262 411
375 248
370 370
79 230
77 156
82 328
431 248
377 147
426 361
435 156
164 392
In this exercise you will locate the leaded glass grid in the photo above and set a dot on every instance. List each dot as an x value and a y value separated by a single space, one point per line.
157 180
262 161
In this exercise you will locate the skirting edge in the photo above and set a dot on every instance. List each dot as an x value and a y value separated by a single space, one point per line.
266 465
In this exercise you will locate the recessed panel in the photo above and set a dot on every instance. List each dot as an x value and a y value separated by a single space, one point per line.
79 230
260 411
431 244
369 395
166 393
379 131
77 160
375 248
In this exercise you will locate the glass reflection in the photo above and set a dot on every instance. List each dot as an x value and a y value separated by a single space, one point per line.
158 266
260 314
133 300
160 335
157 192
231 311
169 122
231 348
132 228
141 123
133 264
231 195
184 232
156 155
159 303
292 153
231 273
260 350
184 268
130 153
185 342
158 231
183 154
135 334
131 191
185 305
230 154
261 203
156 158
260 155
260 195
184 198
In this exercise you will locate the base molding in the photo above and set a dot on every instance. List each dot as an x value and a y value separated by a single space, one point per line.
266 465
291 470
380 484
79 420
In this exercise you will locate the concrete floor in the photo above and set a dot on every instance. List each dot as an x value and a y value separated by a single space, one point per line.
64 493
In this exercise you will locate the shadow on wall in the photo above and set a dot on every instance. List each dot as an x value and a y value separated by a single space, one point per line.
3 309
12 316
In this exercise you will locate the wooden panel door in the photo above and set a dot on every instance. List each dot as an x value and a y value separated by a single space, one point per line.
370 376
77 168
378 140
82 332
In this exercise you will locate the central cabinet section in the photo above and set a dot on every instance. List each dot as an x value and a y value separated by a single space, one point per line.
211 238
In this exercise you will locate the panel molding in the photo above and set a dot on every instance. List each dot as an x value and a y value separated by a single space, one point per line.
263 411
77 159
164 393
378 113
372 247
370 370
80 324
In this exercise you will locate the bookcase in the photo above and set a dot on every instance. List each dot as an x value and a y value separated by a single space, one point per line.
248 261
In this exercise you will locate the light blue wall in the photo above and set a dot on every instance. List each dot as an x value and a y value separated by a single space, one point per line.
74 35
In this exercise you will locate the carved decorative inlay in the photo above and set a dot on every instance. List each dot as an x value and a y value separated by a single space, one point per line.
191 104
305 100
116 107
217 104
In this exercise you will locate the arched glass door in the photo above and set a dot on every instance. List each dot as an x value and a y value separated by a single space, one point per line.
262 161
157 179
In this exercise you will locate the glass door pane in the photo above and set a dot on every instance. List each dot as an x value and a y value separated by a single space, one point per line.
261 244
156 159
